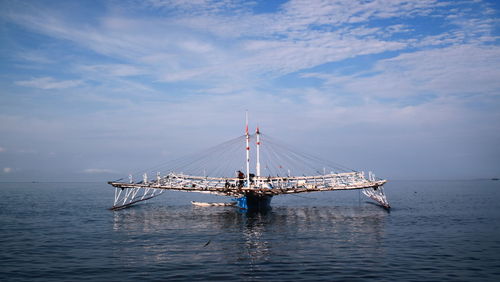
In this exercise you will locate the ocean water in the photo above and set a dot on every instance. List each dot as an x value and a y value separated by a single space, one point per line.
436 231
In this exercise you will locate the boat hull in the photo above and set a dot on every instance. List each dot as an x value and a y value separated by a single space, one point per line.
255 202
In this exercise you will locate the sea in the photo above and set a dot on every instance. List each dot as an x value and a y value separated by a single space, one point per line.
435 231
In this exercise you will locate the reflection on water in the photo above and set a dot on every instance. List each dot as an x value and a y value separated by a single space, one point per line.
225 235
437 231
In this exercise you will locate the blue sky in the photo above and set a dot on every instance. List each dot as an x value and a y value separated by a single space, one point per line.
91 90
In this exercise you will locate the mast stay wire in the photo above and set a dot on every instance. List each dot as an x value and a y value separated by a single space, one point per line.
288 159
292 163
208 158
224 159
311 157
174 163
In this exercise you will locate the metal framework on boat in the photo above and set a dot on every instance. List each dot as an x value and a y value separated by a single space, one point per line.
249 185
127 194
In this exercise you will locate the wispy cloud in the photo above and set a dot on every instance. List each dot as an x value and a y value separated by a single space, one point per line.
153 72
34 57
119 70
282 43
49 83
464 70
98 170
225 43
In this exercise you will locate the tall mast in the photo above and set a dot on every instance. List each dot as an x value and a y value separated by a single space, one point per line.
257 166
247 150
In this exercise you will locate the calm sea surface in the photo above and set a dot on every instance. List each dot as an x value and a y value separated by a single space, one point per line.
437 230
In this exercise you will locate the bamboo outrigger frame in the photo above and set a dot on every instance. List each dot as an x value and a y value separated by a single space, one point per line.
255 188
130 193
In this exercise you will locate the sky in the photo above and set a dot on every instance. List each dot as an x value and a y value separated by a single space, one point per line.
94 90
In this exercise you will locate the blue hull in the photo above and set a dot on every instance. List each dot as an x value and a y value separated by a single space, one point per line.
255 202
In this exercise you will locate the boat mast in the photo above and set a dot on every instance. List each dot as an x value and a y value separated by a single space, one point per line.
257 166
247 150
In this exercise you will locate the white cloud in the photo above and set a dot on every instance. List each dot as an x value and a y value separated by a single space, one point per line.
144 75
176 127
301 13
98 170
223 46
275 44
455 70
283 57
34 56
192 7
452 70
196 47
49 83
119 70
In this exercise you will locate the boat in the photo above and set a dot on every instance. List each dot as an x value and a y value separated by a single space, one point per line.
203 204
279 170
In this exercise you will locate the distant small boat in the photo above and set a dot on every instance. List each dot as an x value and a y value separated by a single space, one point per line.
202 204
494 179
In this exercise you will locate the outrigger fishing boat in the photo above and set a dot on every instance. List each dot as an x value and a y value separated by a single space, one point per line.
279 170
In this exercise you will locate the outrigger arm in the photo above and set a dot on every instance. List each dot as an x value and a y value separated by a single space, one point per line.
127 194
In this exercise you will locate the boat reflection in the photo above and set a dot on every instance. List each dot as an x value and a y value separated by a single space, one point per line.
224 235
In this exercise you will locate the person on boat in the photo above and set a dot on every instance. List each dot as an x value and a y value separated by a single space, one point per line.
251 176
241 177
269 182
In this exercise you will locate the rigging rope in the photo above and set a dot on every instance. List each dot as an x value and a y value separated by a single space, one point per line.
223 160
